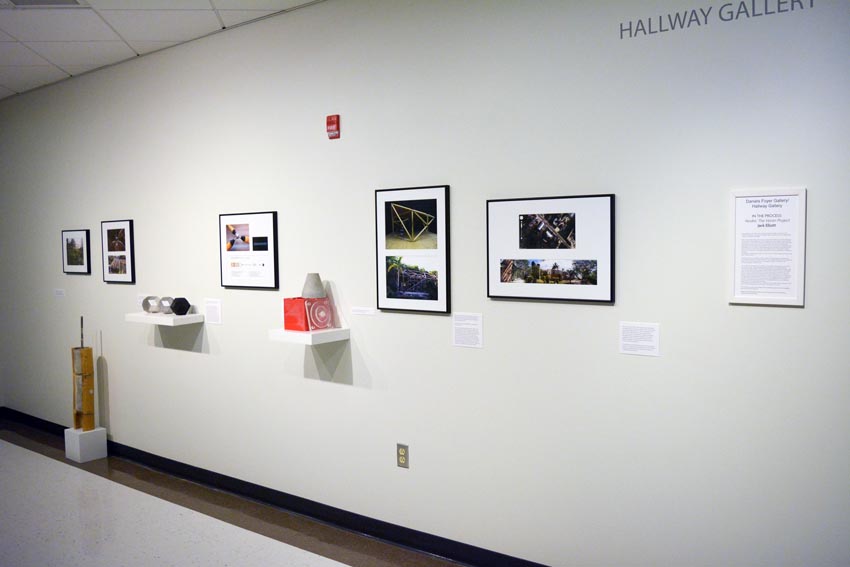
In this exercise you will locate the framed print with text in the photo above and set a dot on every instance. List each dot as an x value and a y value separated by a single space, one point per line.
118 244
551 248
769 253
248 250
76 253
412 249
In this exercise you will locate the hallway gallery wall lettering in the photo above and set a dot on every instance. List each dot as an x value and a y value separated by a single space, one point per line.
700 17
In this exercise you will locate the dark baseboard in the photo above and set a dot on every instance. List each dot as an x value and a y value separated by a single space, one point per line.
34 422
421 541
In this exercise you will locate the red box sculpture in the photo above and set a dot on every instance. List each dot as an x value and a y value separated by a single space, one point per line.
295 314
307 314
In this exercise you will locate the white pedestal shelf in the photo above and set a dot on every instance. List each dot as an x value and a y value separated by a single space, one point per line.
84 446
168 320
310 338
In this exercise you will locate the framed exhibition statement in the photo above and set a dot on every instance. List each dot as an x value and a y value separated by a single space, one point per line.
769 253
551 248
412 249
248 250
118 245
76 253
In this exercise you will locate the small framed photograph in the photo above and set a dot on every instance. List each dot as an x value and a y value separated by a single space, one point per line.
769 252
76 253
118 246
412 249
551 248
248 250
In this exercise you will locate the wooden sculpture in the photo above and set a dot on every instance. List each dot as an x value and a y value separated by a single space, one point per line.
83 365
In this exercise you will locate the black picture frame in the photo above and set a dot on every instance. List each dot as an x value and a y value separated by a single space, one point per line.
248 250
76 252
118 244
551 248
412 249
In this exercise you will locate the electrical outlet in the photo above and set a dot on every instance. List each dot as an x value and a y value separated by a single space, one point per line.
402 456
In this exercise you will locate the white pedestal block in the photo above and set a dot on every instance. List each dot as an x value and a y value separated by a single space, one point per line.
84 446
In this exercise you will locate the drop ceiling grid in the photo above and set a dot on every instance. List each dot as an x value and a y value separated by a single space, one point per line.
57 24
162 25
18 55
24 78
234 17
86 53
151 4
39 46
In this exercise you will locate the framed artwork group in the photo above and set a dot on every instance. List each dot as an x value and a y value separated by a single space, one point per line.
117 244
247 241
550 248
557 248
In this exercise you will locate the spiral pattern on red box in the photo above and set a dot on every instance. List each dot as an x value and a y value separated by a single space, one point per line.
319 314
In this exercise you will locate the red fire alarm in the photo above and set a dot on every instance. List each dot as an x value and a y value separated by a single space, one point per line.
333 126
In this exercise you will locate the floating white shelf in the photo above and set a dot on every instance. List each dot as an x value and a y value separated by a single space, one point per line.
310 338
168 320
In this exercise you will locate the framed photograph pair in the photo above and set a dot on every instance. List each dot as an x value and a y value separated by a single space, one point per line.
117 241
248 250
551 248
412 249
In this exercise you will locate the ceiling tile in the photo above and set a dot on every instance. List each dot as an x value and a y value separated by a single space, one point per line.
151 4
55 25
6 37
4 92
162 25
18 54
88 53
143 47
233 17
24 78
273 5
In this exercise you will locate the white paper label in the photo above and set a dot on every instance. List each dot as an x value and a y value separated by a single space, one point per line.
212 311
467 330
364 311
640 338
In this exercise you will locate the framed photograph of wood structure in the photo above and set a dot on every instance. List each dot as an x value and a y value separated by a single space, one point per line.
248 250
118 245
551 248
412 249
76 252
769 252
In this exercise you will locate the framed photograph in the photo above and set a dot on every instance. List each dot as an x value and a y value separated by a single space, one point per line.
551 248
248 250
769 250
76 253
412 249
118 245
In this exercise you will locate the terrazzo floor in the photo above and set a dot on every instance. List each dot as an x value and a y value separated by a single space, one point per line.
53 514
114 512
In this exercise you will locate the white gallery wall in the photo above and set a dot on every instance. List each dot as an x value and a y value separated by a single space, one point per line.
731 448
